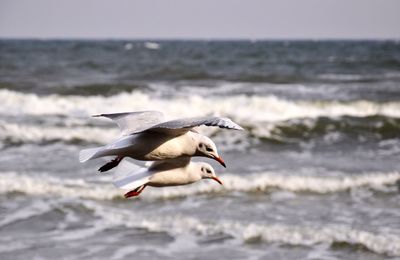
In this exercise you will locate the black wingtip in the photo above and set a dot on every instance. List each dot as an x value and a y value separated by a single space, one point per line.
108 166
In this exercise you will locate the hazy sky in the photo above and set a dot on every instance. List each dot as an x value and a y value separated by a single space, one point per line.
254 19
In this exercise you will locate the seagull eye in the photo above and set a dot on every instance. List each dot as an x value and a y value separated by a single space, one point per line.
208 171
208 149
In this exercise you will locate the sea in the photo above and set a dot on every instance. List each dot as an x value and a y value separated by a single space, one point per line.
314 175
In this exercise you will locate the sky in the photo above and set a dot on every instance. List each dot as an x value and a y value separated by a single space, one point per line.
202 19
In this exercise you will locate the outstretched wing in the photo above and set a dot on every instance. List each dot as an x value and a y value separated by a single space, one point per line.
135 122
129 176
181 126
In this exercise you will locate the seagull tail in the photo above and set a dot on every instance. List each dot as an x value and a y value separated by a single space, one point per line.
88 154
130 176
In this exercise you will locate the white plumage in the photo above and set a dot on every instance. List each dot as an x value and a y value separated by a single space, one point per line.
173 172
147 136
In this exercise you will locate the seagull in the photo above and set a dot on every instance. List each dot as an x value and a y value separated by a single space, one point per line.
147 136
173 172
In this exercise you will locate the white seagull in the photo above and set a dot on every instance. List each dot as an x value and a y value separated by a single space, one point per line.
147 136
174 172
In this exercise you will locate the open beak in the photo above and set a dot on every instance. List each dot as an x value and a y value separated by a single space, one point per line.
217 180
219 159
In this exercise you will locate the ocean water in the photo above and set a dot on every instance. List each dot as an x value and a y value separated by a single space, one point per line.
314 176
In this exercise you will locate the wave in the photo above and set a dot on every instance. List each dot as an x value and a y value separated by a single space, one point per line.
176 225
42 185
18 133
371 77
245 109
97 89
329 130
289 235
356 128
267 117
183 226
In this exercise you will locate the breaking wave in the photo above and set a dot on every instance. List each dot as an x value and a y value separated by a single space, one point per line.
387 244
248 232
240 107
331 129
43 185
328 130
18 133
263 182
267 118
289 235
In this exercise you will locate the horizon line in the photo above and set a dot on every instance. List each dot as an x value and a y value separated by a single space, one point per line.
56 38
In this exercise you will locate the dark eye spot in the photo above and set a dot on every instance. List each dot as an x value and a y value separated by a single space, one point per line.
208 149
202 169
201 145
208 171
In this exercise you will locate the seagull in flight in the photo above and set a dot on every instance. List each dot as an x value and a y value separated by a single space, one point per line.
174 172
147 136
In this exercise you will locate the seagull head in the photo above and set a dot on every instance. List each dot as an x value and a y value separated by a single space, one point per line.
207 148
207 172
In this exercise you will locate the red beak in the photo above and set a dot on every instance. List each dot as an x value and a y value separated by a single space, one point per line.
217 180
219 159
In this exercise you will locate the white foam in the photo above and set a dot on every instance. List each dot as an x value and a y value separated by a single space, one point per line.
152 45
276 233
266 181
31 133
342 77
20 133
307 236
240 107
78 188
128 46
41 185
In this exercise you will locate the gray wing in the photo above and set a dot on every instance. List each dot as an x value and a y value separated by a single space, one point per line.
181 126
135 122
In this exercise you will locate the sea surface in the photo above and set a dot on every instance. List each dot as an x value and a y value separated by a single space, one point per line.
315 174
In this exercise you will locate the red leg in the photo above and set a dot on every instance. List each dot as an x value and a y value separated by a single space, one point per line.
135 192
110 165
